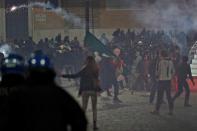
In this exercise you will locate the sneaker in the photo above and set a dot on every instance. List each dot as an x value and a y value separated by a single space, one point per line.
109 94
154 112
151 103
170 113
95 128
126 89
187 105
117 100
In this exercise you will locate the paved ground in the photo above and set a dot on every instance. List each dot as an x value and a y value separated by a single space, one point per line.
134 114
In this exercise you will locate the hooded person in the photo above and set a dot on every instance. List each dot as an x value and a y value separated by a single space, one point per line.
42 105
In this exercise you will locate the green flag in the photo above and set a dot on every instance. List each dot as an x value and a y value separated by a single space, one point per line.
96 45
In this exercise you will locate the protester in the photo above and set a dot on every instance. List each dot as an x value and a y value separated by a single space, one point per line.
183 71
13 78
89 85
153 74
165 74
106 74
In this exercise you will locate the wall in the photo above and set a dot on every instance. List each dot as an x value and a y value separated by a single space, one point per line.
45 24
2 21
119 18
105 17
106 20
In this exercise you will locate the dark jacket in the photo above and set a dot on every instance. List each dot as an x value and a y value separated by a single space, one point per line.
184 70
9 83
107 73
88 80
42 107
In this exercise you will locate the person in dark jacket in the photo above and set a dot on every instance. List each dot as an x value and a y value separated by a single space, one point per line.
108 77
183 72
106 73
13 78
41 105
12 74
153 71
89 85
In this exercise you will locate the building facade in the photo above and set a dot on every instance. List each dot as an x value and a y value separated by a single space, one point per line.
105 16
2 21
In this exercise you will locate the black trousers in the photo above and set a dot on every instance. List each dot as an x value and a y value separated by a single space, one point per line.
164 86
153 91
116 88
181 84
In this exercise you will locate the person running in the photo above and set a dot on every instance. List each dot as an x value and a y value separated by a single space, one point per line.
183 72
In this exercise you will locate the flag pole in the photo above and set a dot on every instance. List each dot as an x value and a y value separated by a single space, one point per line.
92 10
87 15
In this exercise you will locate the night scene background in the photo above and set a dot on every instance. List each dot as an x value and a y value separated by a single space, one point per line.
126 39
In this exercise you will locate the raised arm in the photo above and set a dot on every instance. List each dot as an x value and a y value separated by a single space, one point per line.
74 75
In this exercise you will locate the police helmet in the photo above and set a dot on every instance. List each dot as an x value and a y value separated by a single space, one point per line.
13 64
40 69
39 60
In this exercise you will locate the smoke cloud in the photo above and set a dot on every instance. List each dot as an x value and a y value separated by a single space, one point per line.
170 14
5 49
59 11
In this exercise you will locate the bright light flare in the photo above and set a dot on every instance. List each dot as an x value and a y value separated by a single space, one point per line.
13 8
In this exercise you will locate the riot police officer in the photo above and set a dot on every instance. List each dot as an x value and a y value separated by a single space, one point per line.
12 74
41 105
13 78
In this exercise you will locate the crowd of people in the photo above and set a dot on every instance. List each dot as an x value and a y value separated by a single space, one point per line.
144 60
137 57
139 52
145 43
152 62
62 51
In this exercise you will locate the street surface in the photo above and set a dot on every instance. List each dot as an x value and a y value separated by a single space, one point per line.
134 113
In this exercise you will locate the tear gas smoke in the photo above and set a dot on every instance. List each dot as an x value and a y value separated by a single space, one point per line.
5 49
170 14
178 16
59 11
